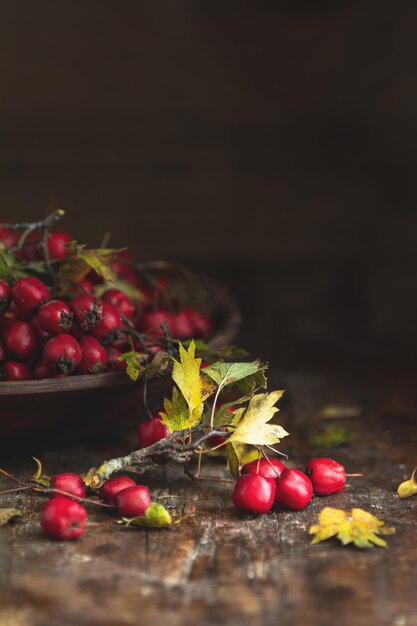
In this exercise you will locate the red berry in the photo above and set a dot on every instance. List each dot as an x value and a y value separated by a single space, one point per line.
94 359
151 431
62 354
7 320
114 364
254 493
151 321
120 301
88 311
109 324
83 286
71 483
2 353
201 324
183 326
40 372
29 293
4 295
110 489
133 501
14 371
63 519
8 237
21 340
328 476
56 244
54 317
271 468
294 490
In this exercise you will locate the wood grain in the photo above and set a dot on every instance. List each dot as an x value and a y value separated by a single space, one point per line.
220 566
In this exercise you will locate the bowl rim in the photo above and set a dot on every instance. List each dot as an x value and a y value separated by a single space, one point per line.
223 300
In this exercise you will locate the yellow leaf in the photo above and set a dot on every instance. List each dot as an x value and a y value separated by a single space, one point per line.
253 427
186 374
356 526
409 487
100 259
38 473
176 415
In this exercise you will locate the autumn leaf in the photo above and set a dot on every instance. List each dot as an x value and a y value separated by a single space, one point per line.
38 475
253 427
356 526
99 259
134 365
186 374
7 515
330 437
233 460
156 516
176 414
409 487
227 373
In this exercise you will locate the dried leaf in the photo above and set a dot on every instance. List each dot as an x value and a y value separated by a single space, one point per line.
38 472
156 516
233 460
409 487
7 515
253 427
89 477
99 259
186 374
356 526
134 365
330 437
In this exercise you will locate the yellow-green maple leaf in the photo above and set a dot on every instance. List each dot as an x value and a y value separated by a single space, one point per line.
186 374
253 427
176 414
356 526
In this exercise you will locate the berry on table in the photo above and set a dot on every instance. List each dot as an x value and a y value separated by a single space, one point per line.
69 482
268 468
328 476
56 244
28 294
8 238
62 354
254 493
120 301
54 317
109 490
294 490
21 340
4 295
152 430
94 356
63 519
110 322
87 310
14 371
133 501
151 321
114 364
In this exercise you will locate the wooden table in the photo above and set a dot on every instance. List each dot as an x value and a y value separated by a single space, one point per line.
220 566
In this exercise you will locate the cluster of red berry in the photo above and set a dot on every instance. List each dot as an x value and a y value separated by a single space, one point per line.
80 333
267 481
63 518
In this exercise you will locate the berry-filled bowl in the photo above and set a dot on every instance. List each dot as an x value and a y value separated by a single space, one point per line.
73 320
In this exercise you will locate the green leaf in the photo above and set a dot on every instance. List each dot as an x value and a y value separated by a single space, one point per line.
253 427
223 417
176 413
409 487
330 437
156 516
134 366
7 515
356 526
233 460
227 373
7 261
186 374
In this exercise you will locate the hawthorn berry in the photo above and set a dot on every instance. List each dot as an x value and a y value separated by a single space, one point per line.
110 322
70 483
28 294
83 286
328 476
201 324
94 356
40 372
151 431
62 354
56 244
63 519
87 310
15 371
4 295
109 490
269 468
294 490
254 493
54 317
151 321
120 301
183 326
133 501
8 237
114 365
21 340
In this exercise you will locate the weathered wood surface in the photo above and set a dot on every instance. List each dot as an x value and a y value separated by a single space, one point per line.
220 566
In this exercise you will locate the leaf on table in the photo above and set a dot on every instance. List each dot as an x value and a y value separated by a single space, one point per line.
356 526
409 487
156 516
253 427
7 515
134 363
227 373
186 374
331 437
38 475
176 414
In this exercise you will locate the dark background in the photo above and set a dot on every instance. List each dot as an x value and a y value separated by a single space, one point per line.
271 145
